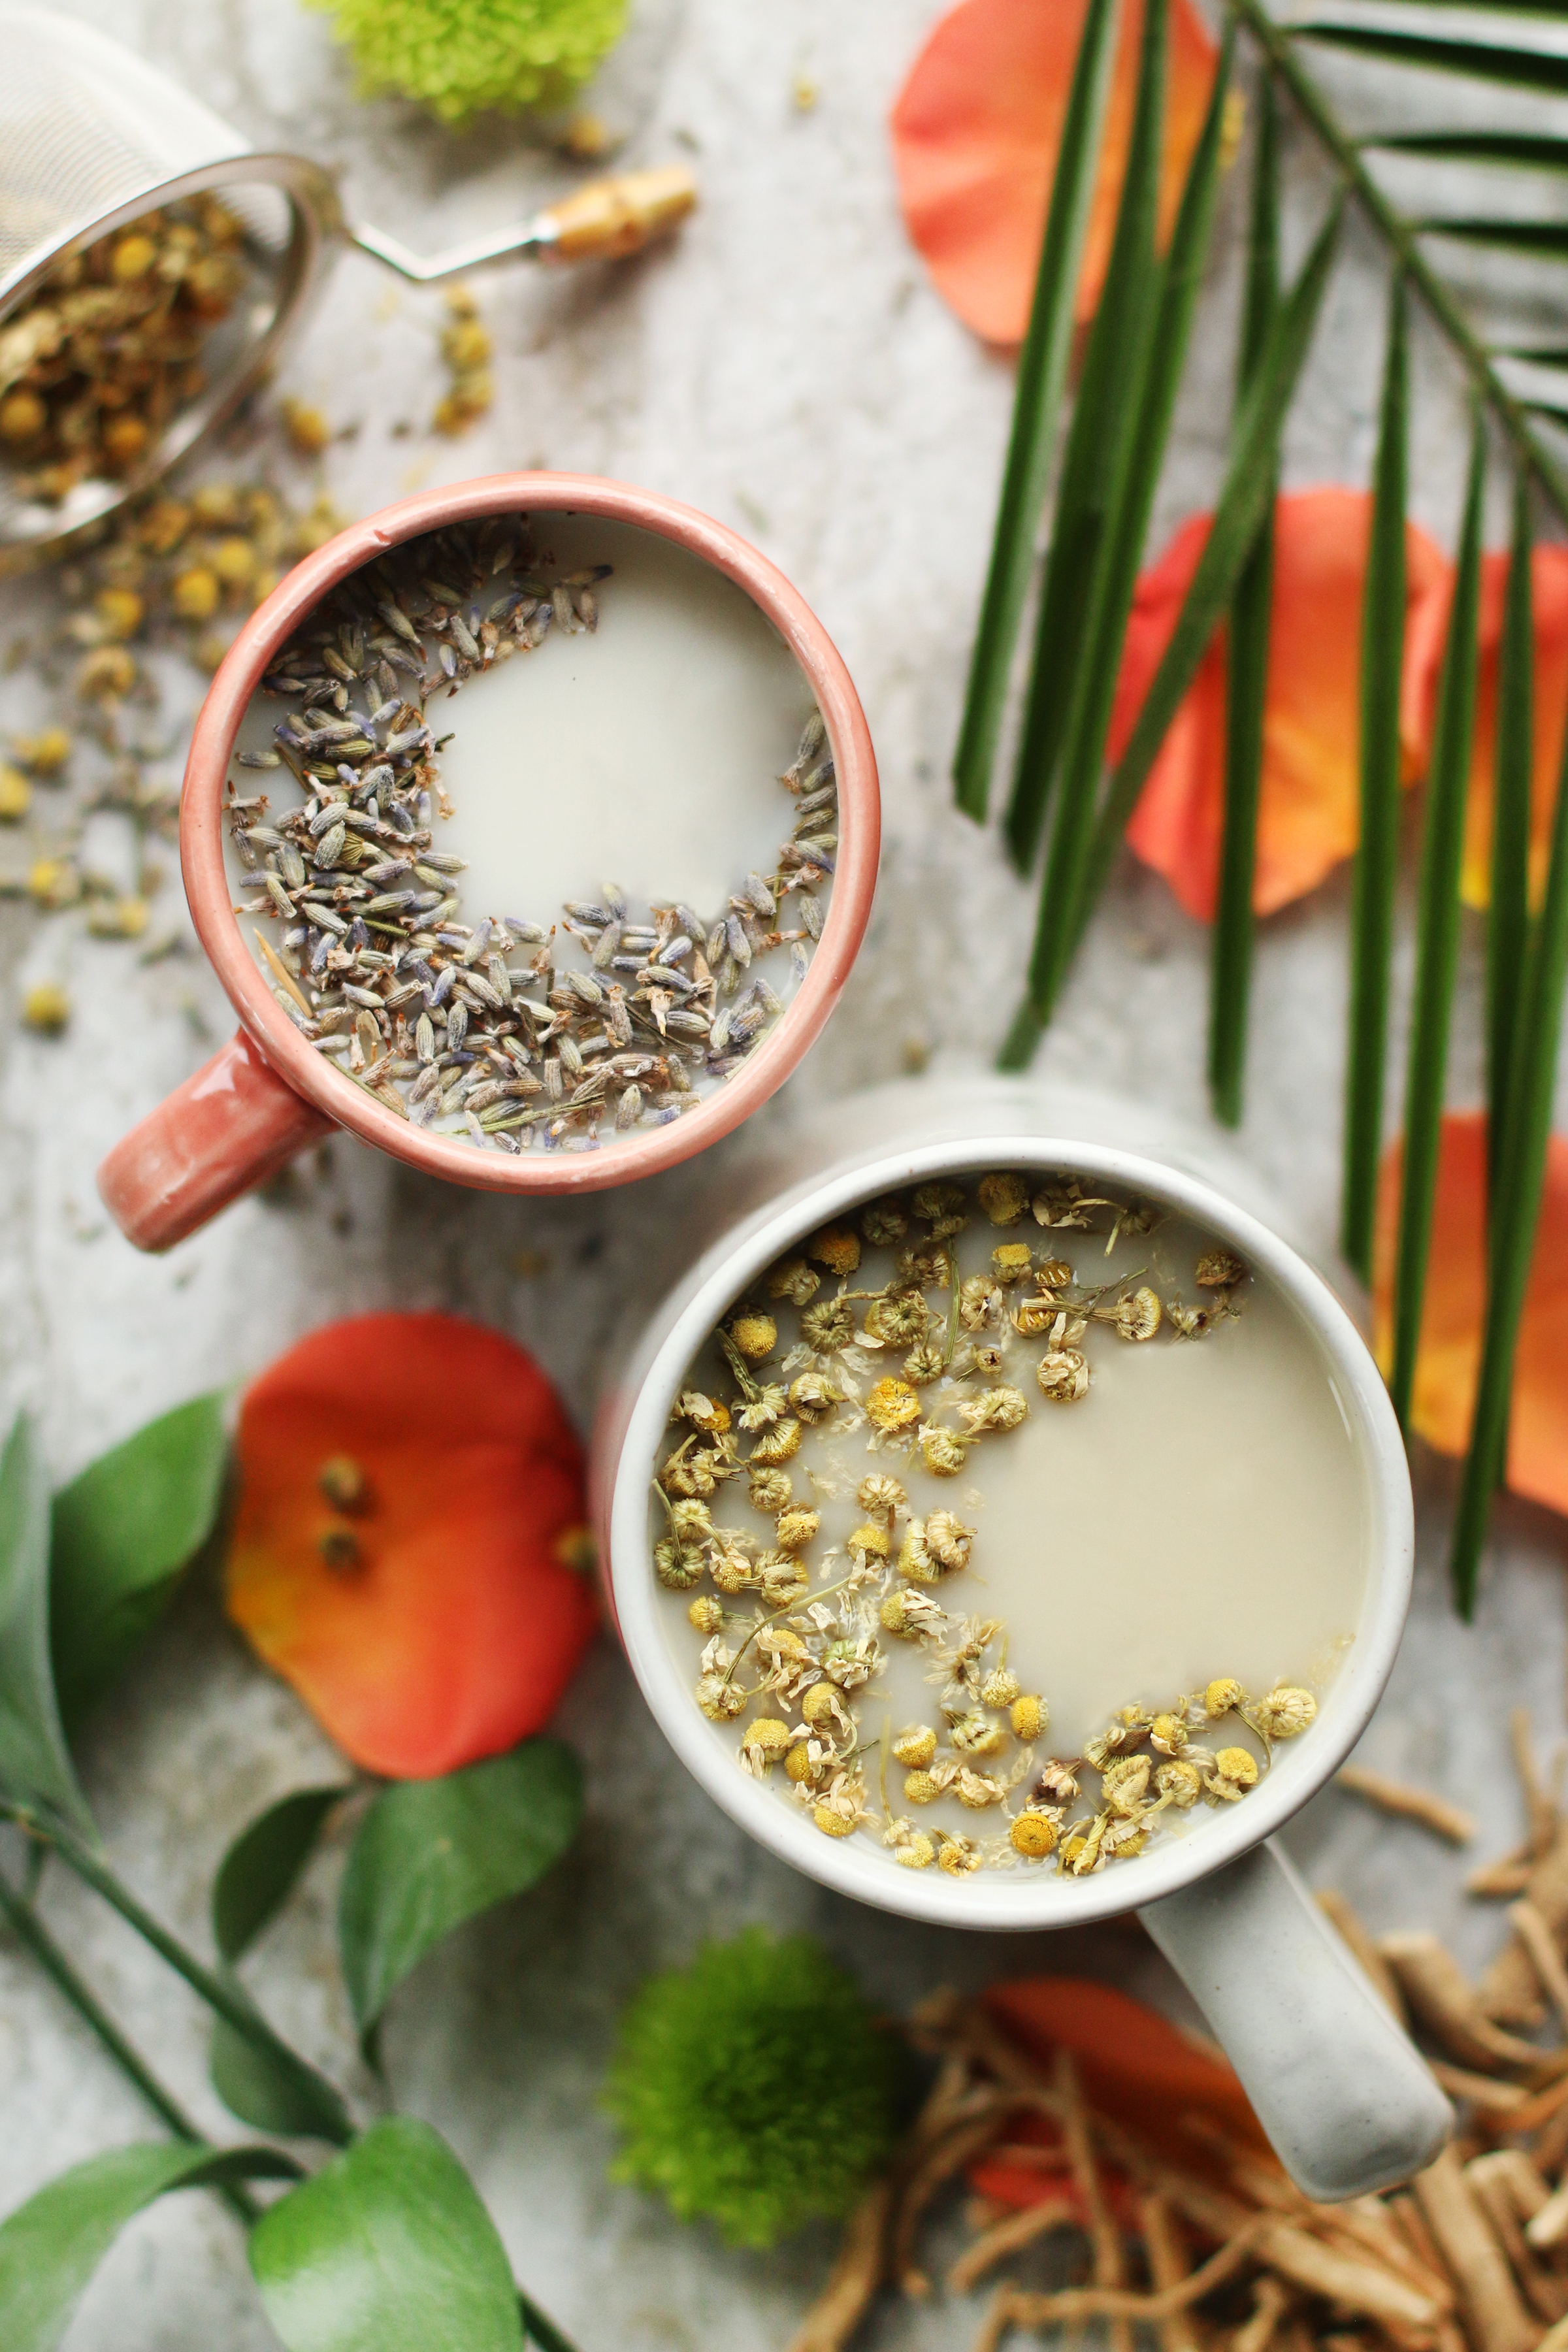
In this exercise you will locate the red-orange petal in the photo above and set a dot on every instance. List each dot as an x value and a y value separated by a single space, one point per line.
1448 1362
976 130
455 1631
1135 2065
1309 814
1549 605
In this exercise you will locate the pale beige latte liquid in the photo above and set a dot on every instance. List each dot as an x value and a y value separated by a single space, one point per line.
1204 1511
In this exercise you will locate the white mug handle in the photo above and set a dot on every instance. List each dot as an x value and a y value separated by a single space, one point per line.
1342 2093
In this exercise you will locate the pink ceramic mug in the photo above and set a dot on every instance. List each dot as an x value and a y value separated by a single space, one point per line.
267 1094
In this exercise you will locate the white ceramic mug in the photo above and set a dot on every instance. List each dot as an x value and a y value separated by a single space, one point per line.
1347 2102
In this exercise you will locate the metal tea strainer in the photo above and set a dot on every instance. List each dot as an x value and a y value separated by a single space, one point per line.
92 138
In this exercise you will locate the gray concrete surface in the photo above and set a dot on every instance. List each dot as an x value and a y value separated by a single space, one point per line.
787 367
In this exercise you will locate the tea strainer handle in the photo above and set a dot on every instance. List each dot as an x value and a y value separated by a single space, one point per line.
602 221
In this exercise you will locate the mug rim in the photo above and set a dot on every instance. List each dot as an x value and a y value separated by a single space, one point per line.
1022 1900
848 911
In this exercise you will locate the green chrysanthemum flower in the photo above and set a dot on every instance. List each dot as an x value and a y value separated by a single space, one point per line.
460 57
754 2087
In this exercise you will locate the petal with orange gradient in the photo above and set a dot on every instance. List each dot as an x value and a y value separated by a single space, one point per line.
976 130
411 1499
1447 1362
1309 815
1549 605
1134 2066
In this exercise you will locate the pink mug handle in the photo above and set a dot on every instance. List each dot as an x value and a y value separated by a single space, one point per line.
225 1130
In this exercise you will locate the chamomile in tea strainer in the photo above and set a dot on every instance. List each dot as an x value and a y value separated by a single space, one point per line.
93 141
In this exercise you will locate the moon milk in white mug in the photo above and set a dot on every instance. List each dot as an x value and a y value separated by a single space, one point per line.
1011 1523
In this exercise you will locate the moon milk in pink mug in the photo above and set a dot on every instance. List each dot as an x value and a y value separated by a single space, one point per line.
532 826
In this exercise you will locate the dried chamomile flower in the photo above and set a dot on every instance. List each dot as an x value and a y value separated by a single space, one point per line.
1028 1716
914 1560
976 1734
1001 1685
730 1566
920 1789
851 1664
822 1705
1034 1834
706 1615
794 1280
1125 1784
769 1490
1238 1764
1033 1317
766 1740
797 1527
698 1473
1010 1262
1168 1733
958 1856
897 1318
1062 1206
915 1746
1283 1712
828 1326
978 1790
719 1700
780 1578
882 1496
1063 1375
1137 1314
690 1522
1219 1269
914 1852
1223 1698
677 1566
755 1335
883 1223
836 1247
1000 1409
868 1542
782 1642
801 1765
892 1404
1114 1740
1002 1198
914 1616
813 1396
948 1540
836 1817
935 1202
776 1444
1179 1784
1053 1274
979 1299
1192 1322
1057 1784
763 1406
942 1451
711 1418
923 1364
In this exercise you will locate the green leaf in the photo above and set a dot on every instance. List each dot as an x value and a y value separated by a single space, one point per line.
35 1764
431 1853
1111 591
1042 375
258 1874
1104 417
1377 850
1521 1174
1230 975
1517 236
1244 500
1437 937
541 2329
1531 151
387 2249
123 1530
1508 922
51 2246
1479 60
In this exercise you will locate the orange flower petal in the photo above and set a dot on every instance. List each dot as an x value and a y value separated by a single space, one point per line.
1310 810
1448 1362
1548 603
976 130
456 1629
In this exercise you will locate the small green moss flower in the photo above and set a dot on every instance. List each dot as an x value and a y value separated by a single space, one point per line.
754 2086
459 57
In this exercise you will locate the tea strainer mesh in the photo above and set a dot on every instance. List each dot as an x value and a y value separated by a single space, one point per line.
91 137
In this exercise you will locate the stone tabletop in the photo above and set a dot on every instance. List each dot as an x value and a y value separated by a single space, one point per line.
787 366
